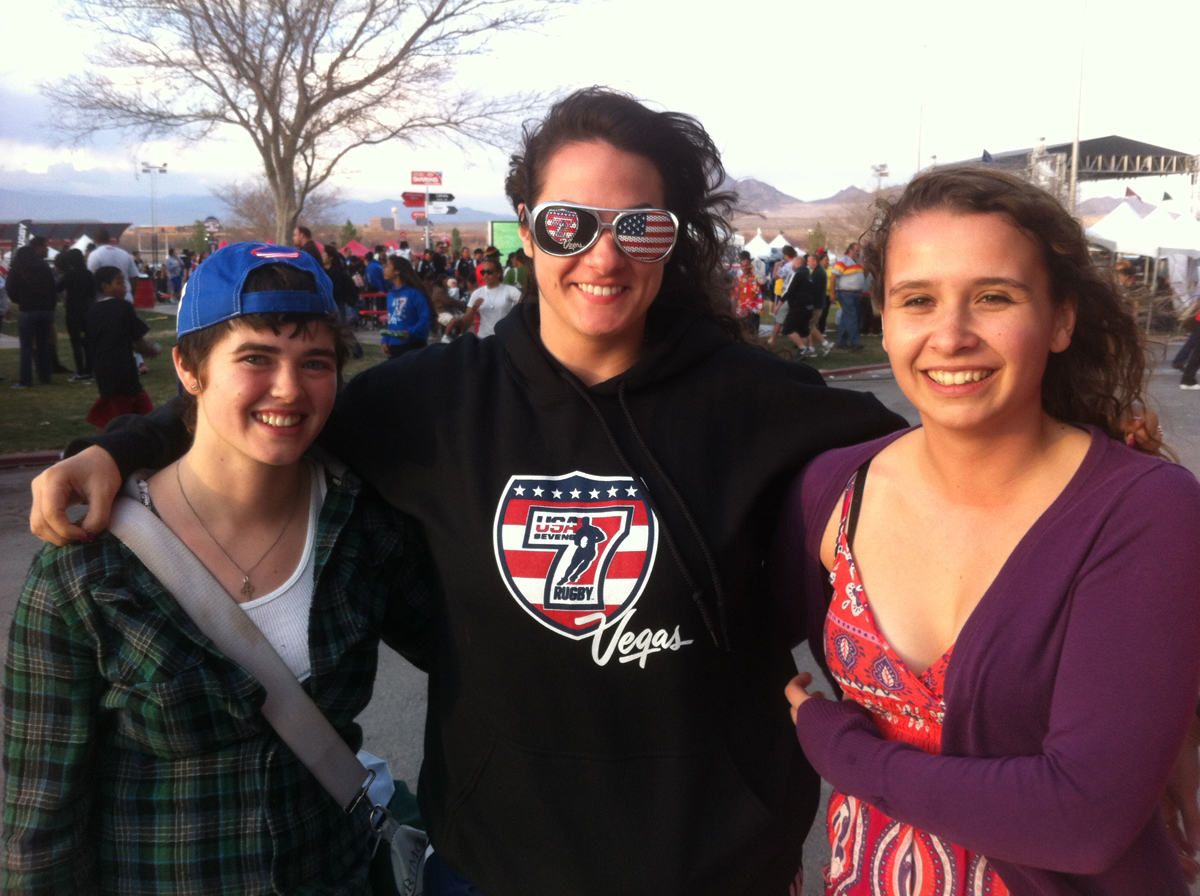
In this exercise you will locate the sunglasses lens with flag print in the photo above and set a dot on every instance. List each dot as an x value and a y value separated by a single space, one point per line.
562 229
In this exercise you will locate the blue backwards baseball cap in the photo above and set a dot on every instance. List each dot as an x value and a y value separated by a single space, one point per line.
213 293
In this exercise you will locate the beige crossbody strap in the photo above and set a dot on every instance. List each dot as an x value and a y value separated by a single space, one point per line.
291 712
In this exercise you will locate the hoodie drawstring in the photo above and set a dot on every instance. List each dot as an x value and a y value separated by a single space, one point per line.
721 637
722 613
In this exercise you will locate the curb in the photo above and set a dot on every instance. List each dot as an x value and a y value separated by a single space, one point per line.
847 371
30 459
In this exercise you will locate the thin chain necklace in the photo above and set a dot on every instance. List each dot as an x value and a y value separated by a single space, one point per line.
247 589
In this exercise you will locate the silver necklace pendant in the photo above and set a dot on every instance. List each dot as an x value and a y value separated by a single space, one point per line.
247 588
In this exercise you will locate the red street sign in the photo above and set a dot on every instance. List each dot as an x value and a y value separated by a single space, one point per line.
413 197
419 202
419 216
433 178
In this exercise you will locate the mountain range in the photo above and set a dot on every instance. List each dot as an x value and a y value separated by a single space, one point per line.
17 205
754 198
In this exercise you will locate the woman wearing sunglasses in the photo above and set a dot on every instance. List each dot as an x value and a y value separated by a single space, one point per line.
598 483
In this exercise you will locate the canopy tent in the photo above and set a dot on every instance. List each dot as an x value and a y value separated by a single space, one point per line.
758 247
1121 230
354 247
60 232
780 241
1178 238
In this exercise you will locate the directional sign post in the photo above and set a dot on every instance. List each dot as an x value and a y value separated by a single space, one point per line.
413 200
427 179
439 197
440 208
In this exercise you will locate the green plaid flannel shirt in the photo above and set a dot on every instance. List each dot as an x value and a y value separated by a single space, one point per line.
136 756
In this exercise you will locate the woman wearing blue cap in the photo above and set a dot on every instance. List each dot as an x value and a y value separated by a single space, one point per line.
138 759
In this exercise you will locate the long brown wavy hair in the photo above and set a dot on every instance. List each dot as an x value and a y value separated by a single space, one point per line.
1101 377
686 158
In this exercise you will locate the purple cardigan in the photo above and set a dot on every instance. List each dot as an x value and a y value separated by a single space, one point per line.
1069 692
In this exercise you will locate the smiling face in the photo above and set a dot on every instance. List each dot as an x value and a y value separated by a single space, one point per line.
264 396
969 321
596 301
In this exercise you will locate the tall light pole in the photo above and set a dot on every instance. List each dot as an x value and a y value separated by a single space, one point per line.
1072 191
153 170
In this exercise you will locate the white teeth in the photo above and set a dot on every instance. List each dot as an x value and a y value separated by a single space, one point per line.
958 377
599 290
277 419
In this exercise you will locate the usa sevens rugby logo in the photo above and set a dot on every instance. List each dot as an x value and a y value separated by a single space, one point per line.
575 550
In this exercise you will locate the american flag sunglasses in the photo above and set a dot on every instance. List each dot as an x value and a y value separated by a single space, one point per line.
563 229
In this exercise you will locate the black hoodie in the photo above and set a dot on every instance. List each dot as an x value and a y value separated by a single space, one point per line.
606 711
650 752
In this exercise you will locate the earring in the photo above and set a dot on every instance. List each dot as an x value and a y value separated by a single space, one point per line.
195 387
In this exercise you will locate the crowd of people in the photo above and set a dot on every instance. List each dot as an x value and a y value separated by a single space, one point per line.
601 524
802 289
107 338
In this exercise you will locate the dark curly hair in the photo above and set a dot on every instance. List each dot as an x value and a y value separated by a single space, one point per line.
689 164
1102 375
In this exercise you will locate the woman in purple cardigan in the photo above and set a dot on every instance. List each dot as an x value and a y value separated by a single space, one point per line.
1013 619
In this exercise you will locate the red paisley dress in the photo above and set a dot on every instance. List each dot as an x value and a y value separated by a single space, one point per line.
870 853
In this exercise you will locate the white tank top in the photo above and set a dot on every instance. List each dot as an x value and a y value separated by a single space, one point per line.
282 615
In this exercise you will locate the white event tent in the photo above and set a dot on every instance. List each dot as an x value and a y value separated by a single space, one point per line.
779 242
758 247
1161 235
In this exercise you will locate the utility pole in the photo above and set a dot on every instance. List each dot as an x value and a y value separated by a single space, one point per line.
153 171
1071 193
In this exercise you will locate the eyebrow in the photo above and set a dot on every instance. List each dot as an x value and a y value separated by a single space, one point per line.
982 281
267 349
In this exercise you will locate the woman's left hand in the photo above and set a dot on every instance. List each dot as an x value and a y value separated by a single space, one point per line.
797 692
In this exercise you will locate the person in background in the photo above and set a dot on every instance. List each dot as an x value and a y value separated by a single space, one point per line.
848 280
174 269
799 312
814 297
303 239
345 292
404 252
31 285
747 294
79 288
464 269
114 332
408 309
107 255
781 277
823 317
1008 600
514 274
490 303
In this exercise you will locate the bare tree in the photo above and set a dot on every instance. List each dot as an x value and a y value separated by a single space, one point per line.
251 204
307 80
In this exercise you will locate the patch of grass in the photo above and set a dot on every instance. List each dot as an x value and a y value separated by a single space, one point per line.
47 417
872 353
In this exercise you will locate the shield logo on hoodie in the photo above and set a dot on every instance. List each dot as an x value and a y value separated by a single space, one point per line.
575 546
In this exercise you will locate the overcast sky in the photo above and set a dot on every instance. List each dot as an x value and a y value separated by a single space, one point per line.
803 96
